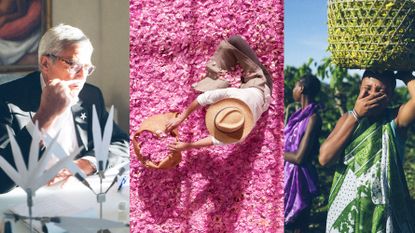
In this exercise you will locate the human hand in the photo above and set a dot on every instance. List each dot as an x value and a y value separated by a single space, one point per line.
55 99
62 176
86 167
366 104
173 123
179 146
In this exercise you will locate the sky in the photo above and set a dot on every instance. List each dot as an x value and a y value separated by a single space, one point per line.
305 31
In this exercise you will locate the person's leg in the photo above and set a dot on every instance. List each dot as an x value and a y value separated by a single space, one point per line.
244 47
239 43
229 54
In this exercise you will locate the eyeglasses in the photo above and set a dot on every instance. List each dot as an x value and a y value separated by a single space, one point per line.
74 67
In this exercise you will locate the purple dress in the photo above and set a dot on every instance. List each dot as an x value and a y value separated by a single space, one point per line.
300 181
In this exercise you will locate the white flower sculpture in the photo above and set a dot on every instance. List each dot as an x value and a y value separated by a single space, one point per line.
101 143
30 178
35 175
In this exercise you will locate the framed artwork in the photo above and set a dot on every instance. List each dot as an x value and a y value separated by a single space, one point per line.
22 23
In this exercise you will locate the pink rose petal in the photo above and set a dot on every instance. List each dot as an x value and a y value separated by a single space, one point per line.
233 188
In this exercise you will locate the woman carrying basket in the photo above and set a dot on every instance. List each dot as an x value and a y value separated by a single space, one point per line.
369 191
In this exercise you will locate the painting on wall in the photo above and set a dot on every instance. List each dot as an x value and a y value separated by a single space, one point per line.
22 23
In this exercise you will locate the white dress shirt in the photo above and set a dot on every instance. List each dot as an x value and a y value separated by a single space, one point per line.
64 124
252 97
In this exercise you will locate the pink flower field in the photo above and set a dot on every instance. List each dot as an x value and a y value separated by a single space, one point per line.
232 188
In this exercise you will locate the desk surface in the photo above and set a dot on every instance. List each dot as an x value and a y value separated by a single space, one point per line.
74 194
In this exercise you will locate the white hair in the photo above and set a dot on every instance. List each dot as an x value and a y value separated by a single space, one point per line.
58 38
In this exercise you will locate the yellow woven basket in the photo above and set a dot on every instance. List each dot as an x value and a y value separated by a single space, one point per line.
372 34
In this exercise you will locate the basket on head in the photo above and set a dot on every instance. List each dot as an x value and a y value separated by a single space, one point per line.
372 34
156 124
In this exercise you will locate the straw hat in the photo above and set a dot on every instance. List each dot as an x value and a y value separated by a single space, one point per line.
229 120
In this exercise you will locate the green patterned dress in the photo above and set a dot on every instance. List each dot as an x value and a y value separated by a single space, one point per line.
369 191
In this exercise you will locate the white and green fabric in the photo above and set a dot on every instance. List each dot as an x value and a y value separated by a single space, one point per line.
369 191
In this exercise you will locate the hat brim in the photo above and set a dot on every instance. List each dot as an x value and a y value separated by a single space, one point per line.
229 137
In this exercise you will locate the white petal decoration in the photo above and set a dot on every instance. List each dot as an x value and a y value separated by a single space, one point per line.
101 143
35 175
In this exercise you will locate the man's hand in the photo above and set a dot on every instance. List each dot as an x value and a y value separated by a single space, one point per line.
55 99
56 96
62 176
365 105
173 123
179 146
85 166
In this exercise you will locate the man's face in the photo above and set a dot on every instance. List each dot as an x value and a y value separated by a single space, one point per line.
69 66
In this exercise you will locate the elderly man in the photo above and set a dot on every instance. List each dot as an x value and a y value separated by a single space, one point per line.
58 99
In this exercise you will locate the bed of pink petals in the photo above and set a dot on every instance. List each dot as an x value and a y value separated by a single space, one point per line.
234 188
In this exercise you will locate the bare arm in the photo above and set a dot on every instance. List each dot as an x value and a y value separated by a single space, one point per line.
406 114
333 147
181 146
192 107
173 123
307 142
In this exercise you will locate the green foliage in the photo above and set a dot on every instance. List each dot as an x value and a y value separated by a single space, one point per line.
342 90
291 76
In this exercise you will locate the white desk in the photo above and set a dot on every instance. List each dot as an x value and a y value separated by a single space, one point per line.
75 195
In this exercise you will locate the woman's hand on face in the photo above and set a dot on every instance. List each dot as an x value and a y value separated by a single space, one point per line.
366 104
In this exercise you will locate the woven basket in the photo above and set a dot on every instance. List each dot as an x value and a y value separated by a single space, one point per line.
372 34
156 124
